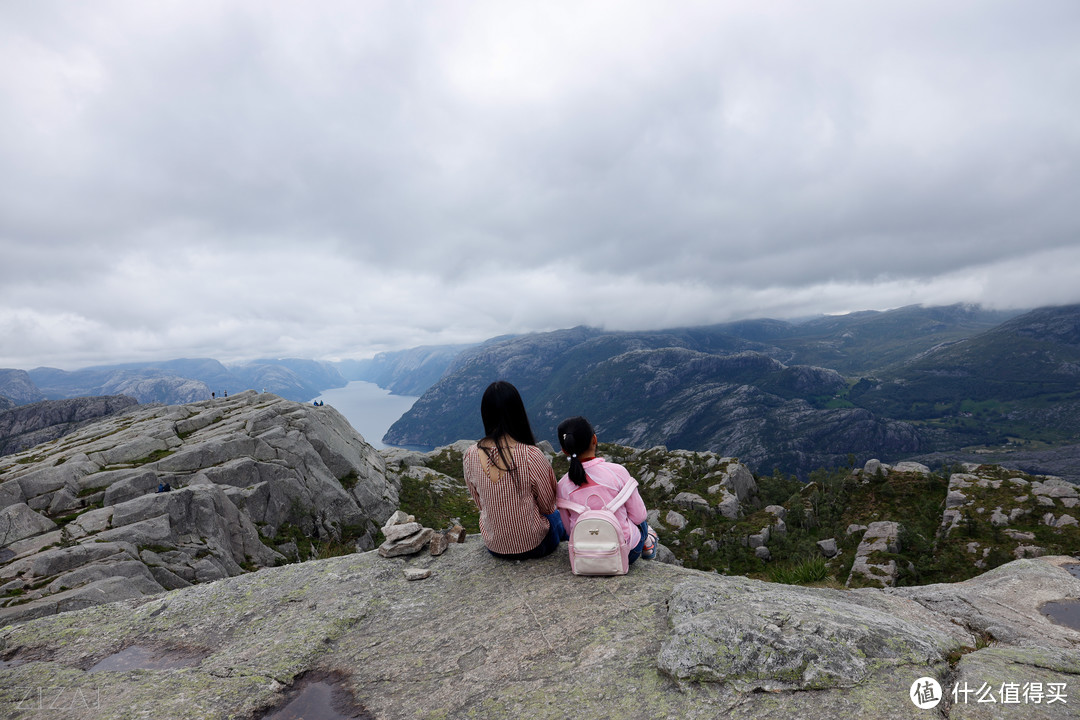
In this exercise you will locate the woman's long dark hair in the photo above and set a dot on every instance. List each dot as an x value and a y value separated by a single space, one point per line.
575 438
503 414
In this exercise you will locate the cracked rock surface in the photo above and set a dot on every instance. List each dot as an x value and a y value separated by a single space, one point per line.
486 638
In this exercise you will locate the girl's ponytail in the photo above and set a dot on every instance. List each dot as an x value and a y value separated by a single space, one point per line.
575 437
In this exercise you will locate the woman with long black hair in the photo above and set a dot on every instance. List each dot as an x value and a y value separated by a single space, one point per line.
511 480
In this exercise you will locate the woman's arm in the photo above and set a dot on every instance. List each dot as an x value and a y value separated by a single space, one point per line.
542 478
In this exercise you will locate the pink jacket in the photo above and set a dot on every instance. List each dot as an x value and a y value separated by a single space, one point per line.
612 476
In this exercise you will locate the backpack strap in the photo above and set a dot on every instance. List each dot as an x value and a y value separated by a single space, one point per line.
616 502
568 504
619 500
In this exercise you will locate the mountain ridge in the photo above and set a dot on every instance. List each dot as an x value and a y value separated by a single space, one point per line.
570 372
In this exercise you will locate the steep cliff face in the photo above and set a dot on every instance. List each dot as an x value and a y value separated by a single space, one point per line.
485 638
1018 380
745 404
29 425
922 380
253 480
404 372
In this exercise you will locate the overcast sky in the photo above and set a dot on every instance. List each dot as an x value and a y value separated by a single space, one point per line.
331 179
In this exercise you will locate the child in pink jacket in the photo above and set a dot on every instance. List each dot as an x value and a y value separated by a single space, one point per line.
578 442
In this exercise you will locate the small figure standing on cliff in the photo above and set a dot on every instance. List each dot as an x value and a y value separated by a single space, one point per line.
511 481
578 441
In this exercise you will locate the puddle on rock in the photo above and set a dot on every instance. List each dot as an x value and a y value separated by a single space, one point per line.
319 698
1073 568
139 657
1063 612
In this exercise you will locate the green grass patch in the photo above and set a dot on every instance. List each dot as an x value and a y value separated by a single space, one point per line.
439 509
805 572
153 457
156 548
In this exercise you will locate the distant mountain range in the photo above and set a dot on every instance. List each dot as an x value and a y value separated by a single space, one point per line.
173 381
404 372
941 383
790 396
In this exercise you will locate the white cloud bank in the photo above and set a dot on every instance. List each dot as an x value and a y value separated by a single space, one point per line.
245 179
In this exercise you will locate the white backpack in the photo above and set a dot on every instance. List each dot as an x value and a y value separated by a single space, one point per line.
597 546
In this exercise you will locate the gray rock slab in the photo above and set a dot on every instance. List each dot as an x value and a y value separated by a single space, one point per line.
1005 602
50 479
11 493
102 592
63 500
18 522
33 545
408 545
955 498
523 639
152 531
741 481
911 467
131 486
674 520
93 521
827 547
63 559
757 636
729 505
166 578
123 568
398 517
691 501
872 467
394 533
1012 674
137 448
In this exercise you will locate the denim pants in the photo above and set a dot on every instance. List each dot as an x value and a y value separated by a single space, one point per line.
635 552
556 532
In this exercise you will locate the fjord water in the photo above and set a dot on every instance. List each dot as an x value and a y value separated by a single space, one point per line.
368 408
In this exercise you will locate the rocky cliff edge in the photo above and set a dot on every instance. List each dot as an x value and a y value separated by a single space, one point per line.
252 481
487 638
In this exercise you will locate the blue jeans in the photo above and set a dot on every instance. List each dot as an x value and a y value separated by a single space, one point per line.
556 532
635 553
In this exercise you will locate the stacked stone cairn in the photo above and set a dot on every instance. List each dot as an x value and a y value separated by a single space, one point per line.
405 536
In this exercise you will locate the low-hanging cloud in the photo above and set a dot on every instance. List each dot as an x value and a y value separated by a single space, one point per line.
242 179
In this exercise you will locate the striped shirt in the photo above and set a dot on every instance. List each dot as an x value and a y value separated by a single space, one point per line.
513 506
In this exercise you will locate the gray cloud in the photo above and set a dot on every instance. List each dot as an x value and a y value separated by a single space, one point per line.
246 178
